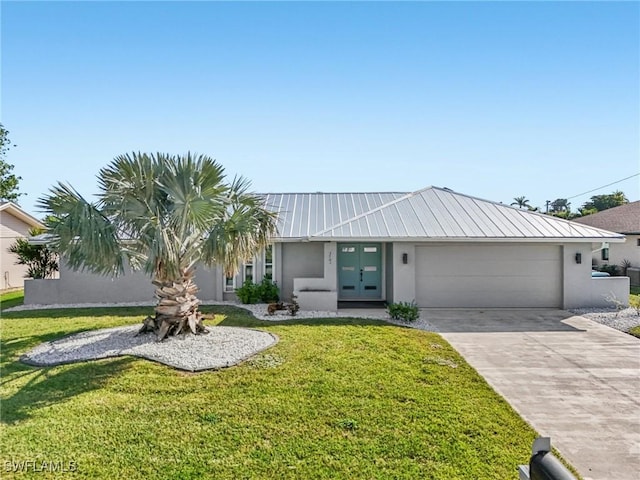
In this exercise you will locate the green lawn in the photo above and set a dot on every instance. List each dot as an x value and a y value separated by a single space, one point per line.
635 290
11 299
333 399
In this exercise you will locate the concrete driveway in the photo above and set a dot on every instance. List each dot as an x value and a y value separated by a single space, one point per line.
571 378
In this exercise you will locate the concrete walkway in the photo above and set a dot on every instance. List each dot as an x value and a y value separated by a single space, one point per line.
572 379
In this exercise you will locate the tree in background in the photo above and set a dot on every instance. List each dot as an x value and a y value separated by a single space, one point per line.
599 203
161 214
8 181
40 260
521 202
561 208
560 205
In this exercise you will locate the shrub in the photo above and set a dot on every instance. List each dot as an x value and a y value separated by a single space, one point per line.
248 292
40 260
407 311
269 291
610 269
265 292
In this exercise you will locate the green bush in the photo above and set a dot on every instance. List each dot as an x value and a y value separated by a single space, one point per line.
263 292
610 269
248 292
269 291
407 311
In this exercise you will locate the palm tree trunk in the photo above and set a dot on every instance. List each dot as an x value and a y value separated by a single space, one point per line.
177 308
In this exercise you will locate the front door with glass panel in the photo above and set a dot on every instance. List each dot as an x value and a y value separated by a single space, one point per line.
360 271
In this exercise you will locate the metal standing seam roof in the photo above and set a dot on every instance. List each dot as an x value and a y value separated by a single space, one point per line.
429 214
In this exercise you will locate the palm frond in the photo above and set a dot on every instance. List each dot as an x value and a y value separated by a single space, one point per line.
195 190
246 228
162 213
82 234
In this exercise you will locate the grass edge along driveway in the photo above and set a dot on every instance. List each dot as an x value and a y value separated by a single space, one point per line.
333 399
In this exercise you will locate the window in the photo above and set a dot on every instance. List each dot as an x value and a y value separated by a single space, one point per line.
268 262
605 254
639 242
248 270
230 284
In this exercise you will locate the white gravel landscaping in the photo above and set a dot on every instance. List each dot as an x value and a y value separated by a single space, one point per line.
221 347
622 320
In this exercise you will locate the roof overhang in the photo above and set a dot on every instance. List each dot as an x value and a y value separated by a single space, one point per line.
618 239
20 214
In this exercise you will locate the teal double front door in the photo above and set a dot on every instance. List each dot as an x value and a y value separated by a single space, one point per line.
360 271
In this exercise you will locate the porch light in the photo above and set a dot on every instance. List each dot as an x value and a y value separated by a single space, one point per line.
578 257
405 258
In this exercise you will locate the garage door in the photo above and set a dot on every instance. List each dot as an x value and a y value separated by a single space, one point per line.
489 276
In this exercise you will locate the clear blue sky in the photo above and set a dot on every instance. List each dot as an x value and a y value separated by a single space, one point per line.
495 100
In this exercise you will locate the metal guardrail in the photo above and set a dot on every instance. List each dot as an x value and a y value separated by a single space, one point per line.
543 465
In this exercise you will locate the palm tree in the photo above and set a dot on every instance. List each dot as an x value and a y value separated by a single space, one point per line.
560 205
521 202
162 214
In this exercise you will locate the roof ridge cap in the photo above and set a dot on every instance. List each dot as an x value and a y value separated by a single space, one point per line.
368 212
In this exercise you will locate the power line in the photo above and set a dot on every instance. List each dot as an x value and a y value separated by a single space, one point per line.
604 186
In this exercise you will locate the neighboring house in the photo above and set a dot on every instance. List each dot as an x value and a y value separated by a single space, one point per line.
436 247
624 219
15 223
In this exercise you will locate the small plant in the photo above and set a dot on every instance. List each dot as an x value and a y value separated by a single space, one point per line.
624 265
407 311
209 418
293 307
348 424
634 302
611 298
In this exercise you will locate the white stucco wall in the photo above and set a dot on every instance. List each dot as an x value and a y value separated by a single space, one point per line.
84 287
404 276
618 252
299 260
320 293
576 277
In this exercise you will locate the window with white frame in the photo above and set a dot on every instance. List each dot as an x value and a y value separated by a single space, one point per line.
247 270
230 283
268 262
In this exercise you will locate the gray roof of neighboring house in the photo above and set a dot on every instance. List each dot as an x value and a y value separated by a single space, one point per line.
622 219
432 213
